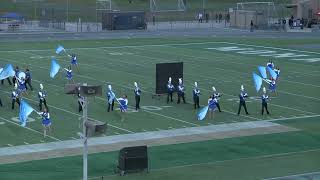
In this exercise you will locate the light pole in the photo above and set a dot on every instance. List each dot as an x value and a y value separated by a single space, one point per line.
67 10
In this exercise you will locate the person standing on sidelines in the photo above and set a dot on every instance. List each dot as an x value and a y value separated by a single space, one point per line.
42 95
80 101
170 89
110 98
46 121
216 95
181 92
196 95
264 99
137 94
242 101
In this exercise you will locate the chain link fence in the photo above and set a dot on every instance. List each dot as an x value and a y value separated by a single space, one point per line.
86 16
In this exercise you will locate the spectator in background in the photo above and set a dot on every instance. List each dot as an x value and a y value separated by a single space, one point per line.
302 23
220 17
207 17
200 17
217 18
251 26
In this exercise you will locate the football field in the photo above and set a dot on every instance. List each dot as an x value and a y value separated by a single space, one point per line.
223 63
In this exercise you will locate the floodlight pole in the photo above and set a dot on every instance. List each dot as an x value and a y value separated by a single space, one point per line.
85 138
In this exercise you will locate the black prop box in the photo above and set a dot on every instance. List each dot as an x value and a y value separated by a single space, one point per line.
163 72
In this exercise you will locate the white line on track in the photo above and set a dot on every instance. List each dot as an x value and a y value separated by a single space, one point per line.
295 176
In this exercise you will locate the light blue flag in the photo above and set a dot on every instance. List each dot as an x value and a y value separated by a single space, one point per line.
54 68
25 111
60 49
1 69
7 72
272 73
257 81
263 71
202 113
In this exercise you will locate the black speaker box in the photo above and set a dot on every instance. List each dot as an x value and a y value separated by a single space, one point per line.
133 159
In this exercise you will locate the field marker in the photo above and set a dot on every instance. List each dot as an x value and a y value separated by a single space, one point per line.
10 145
26 143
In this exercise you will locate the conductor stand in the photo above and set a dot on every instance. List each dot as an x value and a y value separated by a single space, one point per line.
89 128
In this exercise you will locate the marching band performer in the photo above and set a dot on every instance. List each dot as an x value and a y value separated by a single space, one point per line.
69 74
272 86
270 64
277 71
123 103
212 106
15 96
170 89
110 97
181 92
74 61
196 94
42 95
28 79
137 94
14 78
80 100
264 99
216 95
243 94
46 122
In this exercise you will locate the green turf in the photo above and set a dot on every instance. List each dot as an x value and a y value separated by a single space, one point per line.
226 71
246 158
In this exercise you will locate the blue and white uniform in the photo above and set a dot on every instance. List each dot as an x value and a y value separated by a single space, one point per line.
21 85
216 97
212 104
74 60
45 118
270 65
170 89
110 96
123 104
69 74
277 71
272 86
196 95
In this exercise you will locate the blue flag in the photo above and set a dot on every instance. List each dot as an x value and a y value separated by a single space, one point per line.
257 81
202 113
25 111
7 72
1 69
54 68
263 72
273 74
60 49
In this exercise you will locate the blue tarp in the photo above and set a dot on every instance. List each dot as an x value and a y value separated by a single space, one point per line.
12 15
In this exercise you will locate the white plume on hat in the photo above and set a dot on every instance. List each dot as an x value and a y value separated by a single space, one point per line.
264 90
214 89
242 88
135 84
15 86
170 79
195 84
180 80
41 86
109 87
